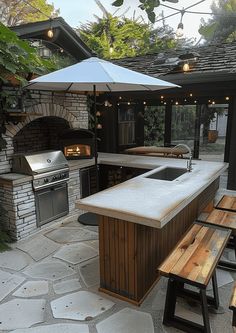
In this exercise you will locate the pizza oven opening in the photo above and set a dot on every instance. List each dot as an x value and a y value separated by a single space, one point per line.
77 144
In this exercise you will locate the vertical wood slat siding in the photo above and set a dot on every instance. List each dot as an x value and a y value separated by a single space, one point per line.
130 253
208 194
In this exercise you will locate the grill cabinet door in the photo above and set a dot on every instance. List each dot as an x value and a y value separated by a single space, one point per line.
88 181
51 203
60 200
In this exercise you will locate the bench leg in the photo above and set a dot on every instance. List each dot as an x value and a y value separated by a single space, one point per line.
170 319
234 318
170 302
215 290
205 311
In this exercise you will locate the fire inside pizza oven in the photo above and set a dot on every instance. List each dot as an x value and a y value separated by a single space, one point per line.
77 144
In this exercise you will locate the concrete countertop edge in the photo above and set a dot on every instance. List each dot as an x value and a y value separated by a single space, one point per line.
132 217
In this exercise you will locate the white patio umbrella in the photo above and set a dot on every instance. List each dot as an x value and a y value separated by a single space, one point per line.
96 75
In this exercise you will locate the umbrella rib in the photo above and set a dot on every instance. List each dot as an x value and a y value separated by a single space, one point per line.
143 85
108 87
70 85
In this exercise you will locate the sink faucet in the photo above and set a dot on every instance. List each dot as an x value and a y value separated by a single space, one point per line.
189 162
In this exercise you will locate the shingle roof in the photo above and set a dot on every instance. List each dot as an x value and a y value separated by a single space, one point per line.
64 36
211 59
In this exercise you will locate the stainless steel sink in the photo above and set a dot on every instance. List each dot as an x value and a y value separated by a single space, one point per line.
168 173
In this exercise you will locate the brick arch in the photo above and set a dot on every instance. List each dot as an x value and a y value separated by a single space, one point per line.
39 111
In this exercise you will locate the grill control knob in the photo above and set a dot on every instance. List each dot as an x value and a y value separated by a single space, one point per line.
45 180
54 178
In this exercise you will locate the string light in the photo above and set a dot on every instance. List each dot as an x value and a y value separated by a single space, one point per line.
186 67
227 98
50 33
191 95
111 49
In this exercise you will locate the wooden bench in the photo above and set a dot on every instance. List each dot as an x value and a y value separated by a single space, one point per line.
193 262
232 306
227 203
225 219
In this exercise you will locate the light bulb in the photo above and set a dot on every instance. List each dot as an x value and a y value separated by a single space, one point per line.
50 33
186 67
99 126
180 30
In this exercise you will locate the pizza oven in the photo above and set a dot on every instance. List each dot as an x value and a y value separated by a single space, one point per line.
77 144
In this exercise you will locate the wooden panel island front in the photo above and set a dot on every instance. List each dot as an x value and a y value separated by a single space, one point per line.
142 219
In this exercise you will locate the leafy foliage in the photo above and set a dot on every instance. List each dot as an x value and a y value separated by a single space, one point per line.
17 58
222 25
15 12
147 5
18 61
154 125
115 37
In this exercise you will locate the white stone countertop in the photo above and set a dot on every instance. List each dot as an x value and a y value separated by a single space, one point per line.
147 201
14 178
19 178
79 164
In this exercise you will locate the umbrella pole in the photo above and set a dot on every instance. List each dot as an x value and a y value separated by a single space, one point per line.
92 218
95 134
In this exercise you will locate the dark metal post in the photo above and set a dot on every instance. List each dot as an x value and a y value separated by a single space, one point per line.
232 156
95 125
197 132
168 116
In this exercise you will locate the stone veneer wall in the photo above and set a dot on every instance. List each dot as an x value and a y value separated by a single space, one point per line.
17 202
18 215
70 107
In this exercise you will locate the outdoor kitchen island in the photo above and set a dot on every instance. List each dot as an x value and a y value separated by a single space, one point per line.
142 219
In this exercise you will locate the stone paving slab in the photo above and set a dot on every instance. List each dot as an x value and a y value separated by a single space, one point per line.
32 289
69 235
56 328
127 321
38 247
89 272
76 253
82 305
14 259
67 286
21 313
8 282
223 278
94 244
49 270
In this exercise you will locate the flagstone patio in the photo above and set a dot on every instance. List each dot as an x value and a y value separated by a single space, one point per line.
49 283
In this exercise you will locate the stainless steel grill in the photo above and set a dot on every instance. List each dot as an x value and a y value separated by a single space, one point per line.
50 172
47 167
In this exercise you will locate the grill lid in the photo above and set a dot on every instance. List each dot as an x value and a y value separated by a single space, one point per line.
40 162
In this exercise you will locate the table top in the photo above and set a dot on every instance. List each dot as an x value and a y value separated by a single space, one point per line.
195 257
222 218
227 202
